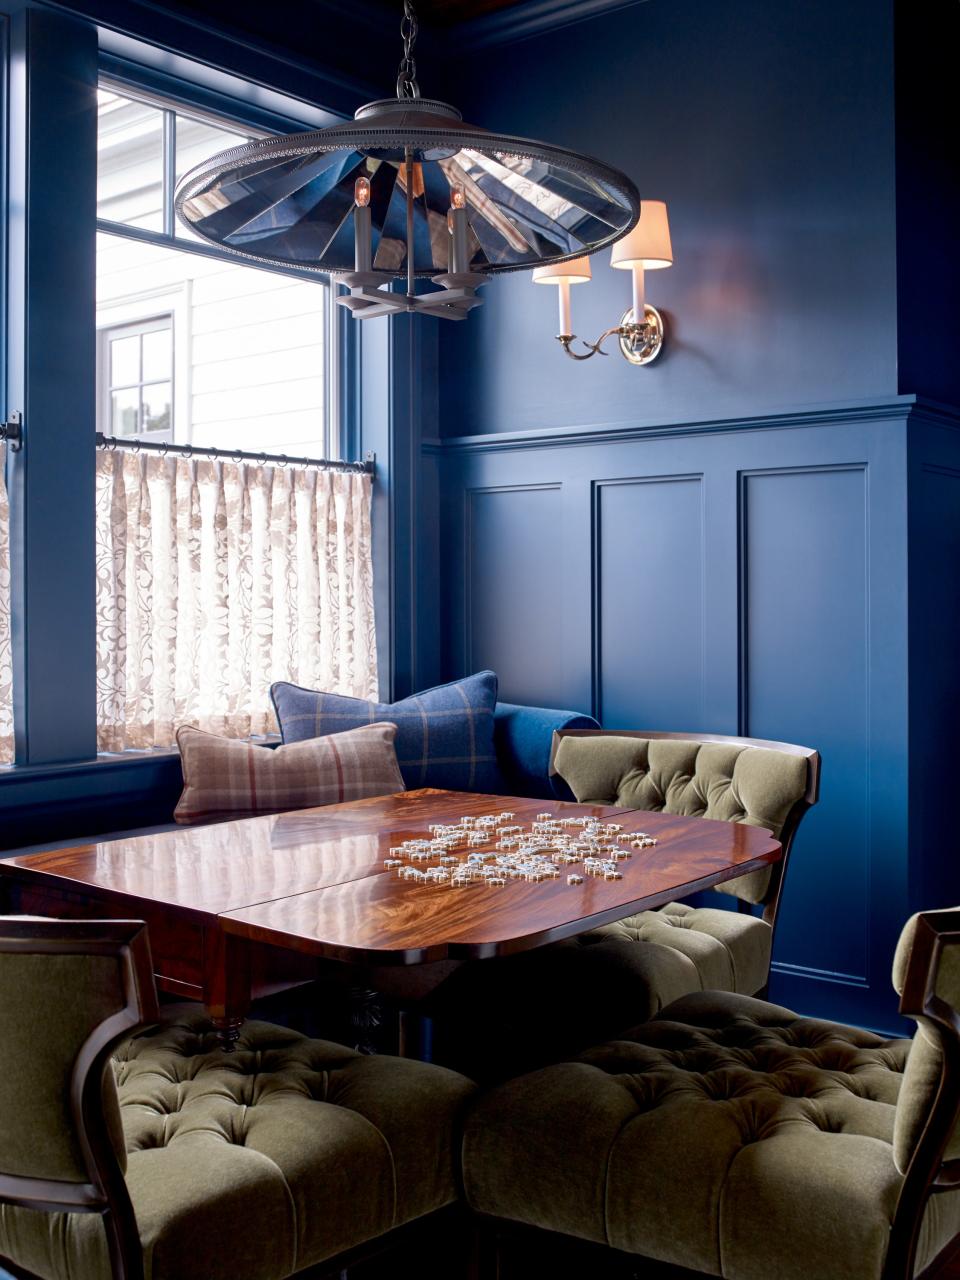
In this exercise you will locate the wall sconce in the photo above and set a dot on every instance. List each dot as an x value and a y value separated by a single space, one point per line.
646 248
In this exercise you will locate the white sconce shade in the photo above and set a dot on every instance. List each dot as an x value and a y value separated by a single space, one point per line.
640 331
648 244
564 274
575 272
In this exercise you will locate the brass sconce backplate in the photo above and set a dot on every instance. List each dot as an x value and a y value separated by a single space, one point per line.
641 343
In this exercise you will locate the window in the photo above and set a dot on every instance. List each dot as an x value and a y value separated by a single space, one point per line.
196 348
136 379
213 577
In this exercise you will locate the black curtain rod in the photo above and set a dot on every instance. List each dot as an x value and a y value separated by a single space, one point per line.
230 455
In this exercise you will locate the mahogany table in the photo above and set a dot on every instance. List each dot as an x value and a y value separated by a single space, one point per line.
239 909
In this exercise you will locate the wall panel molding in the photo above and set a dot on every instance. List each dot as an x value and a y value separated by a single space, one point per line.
810 973
654 597
805 626
506 574
817 508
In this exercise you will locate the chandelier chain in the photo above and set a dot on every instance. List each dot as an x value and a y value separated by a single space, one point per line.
407 86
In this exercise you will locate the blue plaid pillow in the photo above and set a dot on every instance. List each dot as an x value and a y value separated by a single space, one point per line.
444 735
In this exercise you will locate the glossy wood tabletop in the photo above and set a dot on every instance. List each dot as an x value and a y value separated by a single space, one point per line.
384 919
207 870
243 908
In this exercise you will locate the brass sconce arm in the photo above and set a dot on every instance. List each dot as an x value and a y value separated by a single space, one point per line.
639 343
592 348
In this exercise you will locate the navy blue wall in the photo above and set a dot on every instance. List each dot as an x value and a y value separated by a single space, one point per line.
760 533
928 197
769 130
741 578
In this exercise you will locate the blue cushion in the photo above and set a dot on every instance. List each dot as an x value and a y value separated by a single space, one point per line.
524 738
444 735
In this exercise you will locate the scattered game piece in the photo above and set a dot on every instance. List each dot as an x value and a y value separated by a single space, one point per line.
492 849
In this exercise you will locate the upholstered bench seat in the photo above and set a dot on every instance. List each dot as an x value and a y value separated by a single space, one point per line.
734 780
728 1136
495 1018
306 1147
694 949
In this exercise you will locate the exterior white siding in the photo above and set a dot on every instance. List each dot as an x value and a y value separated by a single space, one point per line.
249 344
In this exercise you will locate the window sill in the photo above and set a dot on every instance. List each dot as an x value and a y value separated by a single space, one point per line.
105 761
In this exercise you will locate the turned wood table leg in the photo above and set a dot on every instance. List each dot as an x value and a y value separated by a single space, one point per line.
226 984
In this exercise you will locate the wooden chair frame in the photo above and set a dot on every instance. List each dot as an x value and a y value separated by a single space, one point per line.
105 1191
928 1174
811 794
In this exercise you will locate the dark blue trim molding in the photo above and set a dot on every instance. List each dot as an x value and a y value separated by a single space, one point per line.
51 345
177 46
871 410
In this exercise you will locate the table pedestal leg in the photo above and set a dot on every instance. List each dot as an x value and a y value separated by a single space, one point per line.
416 1036
226 984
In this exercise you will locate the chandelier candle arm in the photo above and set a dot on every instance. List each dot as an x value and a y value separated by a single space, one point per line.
411 275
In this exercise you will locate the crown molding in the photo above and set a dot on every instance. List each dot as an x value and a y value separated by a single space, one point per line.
173 41
531 18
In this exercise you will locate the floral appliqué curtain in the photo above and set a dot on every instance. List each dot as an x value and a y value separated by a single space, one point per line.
6 657
215 578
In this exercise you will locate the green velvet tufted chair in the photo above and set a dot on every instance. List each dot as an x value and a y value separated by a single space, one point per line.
763 784
730 1137
129 1151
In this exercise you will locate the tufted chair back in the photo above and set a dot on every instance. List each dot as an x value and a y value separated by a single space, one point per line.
69 991
926 975
763 784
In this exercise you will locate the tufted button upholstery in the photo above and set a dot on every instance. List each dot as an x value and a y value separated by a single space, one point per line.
261 1162
732 783
711 950
695 950
729 1136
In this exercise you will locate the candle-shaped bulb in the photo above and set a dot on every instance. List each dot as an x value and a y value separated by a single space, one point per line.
362 223
457 219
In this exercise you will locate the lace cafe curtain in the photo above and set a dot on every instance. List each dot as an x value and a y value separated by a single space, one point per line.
6 659
215 578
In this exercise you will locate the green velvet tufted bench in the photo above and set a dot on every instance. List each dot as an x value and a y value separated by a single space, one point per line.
762 784
737 1139
189 1163
497 1018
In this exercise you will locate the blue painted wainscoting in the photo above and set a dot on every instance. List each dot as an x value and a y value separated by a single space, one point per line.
744 577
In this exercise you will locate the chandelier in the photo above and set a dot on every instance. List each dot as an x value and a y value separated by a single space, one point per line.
407 191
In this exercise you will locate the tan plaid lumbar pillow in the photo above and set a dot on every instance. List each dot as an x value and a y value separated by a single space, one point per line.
230 778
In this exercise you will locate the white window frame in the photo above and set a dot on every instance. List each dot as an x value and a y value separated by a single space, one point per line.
136 326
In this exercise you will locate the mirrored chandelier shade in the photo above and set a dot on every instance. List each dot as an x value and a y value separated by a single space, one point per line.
646 247
407 191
